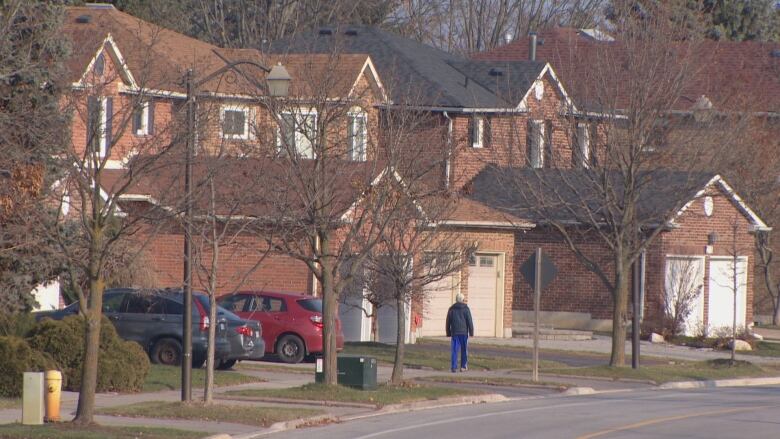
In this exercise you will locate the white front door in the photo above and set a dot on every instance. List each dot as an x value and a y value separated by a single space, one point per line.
684 291
438 298
723 273
483 278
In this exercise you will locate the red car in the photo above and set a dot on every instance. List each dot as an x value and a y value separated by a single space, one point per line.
292 323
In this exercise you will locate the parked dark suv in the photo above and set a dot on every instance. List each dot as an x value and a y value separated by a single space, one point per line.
153 318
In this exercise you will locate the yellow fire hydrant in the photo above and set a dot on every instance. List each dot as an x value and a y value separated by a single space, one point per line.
53 380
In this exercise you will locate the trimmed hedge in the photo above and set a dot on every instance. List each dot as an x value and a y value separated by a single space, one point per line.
122 365
18 357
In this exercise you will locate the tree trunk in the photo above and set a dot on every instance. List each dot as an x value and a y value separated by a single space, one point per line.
208 391
85 411
400 340
329 310
374 323
619 314
776 314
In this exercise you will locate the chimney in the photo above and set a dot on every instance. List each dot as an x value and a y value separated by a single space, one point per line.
532 46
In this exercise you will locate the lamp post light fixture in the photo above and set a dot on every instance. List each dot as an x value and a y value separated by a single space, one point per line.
278 85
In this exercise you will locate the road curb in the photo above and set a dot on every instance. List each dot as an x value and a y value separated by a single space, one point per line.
297 401
736 382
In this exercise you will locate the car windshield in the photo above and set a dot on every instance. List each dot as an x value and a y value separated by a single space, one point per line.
313 305
204 300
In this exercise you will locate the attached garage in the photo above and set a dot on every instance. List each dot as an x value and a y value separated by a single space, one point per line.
485 295
439 296
723 274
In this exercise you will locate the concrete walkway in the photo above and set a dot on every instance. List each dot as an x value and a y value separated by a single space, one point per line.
603 345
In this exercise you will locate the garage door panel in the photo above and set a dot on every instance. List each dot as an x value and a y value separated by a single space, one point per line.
483 276
721 294
439 296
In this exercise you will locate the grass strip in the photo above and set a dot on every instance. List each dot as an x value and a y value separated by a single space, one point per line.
418 356
238 414
493 381
673 371
71 431
169 378
384 395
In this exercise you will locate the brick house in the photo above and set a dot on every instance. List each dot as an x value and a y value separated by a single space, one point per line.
513 114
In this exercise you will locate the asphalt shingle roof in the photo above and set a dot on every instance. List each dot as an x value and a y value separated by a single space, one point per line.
573 195
409 68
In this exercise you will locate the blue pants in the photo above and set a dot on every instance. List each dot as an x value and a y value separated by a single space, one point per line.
460 342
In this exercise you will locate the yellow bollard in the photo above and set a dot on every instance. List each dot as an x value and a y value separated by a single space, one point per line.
53 388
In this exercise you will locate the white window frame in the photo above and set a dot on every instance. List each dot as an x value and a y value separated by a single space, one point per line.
143 128
248 113
478 133
300 136
583 144
536 149
103 141
355 115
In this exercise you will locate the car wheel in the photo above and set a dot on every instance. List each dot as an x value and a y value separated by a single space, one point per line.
290 349
167 351
226 364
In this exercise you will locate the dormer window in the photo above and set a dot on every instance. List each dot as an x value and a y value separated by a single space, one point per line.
235 122
582 146
143 119
99 115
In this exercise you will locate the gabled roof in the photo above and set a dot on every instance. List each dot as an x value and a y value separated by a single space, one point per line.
730 74
572 196
431 76
158 58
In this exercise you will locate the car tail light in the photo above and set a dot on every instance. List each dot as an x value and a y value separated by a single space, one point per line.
204 322
245 330
316 320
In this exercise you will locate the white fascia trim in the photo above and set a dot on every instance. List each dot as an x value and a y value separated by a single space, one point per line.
150 92
117 57
486 224
757 223
548 69
346 217
368 64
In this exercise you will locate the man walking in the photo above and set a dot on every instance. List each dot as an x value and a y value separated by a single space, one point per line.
459 327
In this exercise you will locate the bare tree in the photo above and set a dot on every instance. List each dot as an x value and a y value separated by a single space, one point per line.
639 152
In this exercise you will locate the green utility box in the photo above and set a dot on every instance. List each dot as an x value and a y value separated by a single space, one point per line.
357 371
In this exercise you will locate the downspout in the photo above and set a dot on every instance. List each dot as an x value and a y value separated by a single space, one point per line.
447 164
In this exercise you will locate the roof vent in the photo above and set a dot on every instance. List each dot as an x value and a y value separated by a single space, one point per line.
496 72
326 31
83 19
351 32
775 53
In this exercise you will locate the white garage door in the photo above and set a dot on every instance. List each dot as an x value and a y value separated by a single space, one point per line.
684 290
483 275
439 296
721 298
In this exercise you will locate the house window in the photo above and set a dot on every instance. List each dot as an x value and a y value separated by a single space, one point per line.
99 115
143 119
581 149
548 144
536 143
477 130
357 133
297 133
235 123
99 65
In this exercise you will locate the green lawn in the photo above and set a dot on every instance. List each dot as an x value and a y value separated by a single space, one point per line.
70 431
240 414
384 395
764 349
440 360
169 378
274 367
678 371
491 381
10 403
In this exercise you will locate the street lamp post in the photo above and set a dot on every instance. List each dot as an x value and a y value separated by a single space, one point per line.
277 84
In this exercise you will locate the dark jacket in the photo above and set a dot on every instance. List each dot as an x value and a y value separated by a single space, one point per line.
459 320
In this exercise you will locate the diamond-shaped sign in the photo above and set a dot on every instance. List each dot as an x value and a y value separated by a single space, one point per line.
549 270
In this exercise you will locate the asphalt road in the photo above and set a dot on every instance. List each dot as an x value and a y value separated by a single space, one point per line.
744 412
